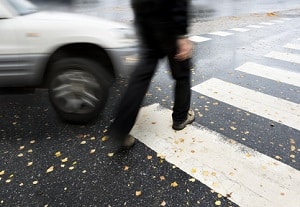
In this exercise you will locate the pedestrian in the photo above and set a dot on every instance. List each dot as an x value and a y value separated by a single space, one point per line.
162 26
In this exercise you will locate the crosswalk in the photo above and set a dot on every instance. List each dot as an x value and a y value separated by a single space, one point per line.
249 177
201 38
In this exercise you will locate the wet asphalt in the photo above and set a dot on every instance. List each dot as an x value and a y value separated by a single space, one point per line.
46 162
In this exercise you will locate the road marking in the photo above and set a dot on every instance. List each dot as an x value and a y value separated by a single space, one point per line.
199 39
240 29
246 177
292 46
255 26
267 23
276 74
221 33
289 57
270 107
277 21
286 19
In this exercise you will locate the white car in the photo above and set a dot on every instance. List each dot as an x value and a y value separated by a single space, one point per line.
75 56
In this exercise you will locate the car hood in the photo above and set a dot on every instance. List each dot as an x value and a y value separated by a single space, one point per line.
71 27
74 19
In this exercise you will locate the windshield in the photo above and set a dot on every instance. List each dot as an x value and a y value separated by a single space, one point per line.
23 7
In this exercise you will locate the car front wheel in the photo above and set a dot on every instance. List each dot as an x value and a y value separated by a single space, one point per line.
78 89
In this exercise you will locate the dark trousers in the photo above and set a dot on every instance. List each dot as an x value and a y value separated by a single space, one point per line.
138 86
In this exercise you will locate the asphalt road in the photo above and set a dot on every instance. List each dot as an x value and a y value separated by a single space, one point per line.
46 162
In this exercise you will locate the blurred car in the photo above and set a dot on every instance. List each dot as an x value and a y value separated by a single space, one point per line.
76 57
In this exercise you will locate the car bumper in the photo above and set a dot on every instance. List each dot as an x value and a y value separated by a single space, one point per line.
124 60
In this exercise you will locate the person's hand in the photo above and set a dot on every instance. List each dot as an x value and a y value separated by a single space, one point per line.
184 49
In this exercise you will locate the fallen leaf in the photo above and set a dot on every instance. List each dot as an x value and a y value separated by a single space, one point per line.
218 203
71 168
149 157
126 168
174 184
35 182
110 154
194 170
163 203
64 160
162 178
21 147
58 154
50 169
192 179
105 138
83 142
92 151
20 155
138 193
233 128
205 173
2 172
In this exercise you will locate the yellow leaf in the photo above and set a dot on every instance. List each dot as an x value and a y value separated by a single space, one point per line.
162 178
83 142
64 160
2 172
194 170
149 157
92 151
29 164
104 138
205 173
218 203
58 154
126 168
50 169
174 184
138 193
110 154
192 179
233 128
163 203
35 182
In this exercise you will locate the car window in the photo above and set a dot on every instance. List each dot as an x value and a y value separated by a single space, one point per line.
23 7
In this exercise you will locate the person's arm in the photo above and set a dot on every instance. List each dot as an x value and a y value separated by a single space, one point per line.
180 16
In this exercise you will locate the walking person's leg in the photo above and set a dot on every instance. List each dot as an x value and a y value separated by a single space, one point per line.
133 97
181 72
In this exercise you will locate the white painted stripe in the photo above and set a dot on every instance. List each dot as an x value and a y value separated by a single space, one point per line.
276 74
286 19
199 39
292 46
220 33
255 26
270 107
266 23
277 21
249 177
289 57
240 29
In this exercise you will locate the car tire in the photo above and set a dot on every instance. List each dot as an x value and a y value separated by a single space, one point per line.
78 89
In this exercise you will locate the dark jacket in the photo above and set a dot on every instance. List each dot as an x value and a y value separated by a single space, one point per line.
169 15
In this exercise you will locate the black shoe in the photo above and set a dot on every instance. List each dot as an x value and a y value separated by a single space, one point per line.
128 142
181 125
115 145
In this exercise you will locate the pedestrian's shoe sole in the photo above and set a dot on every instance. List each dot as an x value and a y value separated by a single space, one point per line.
190 118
